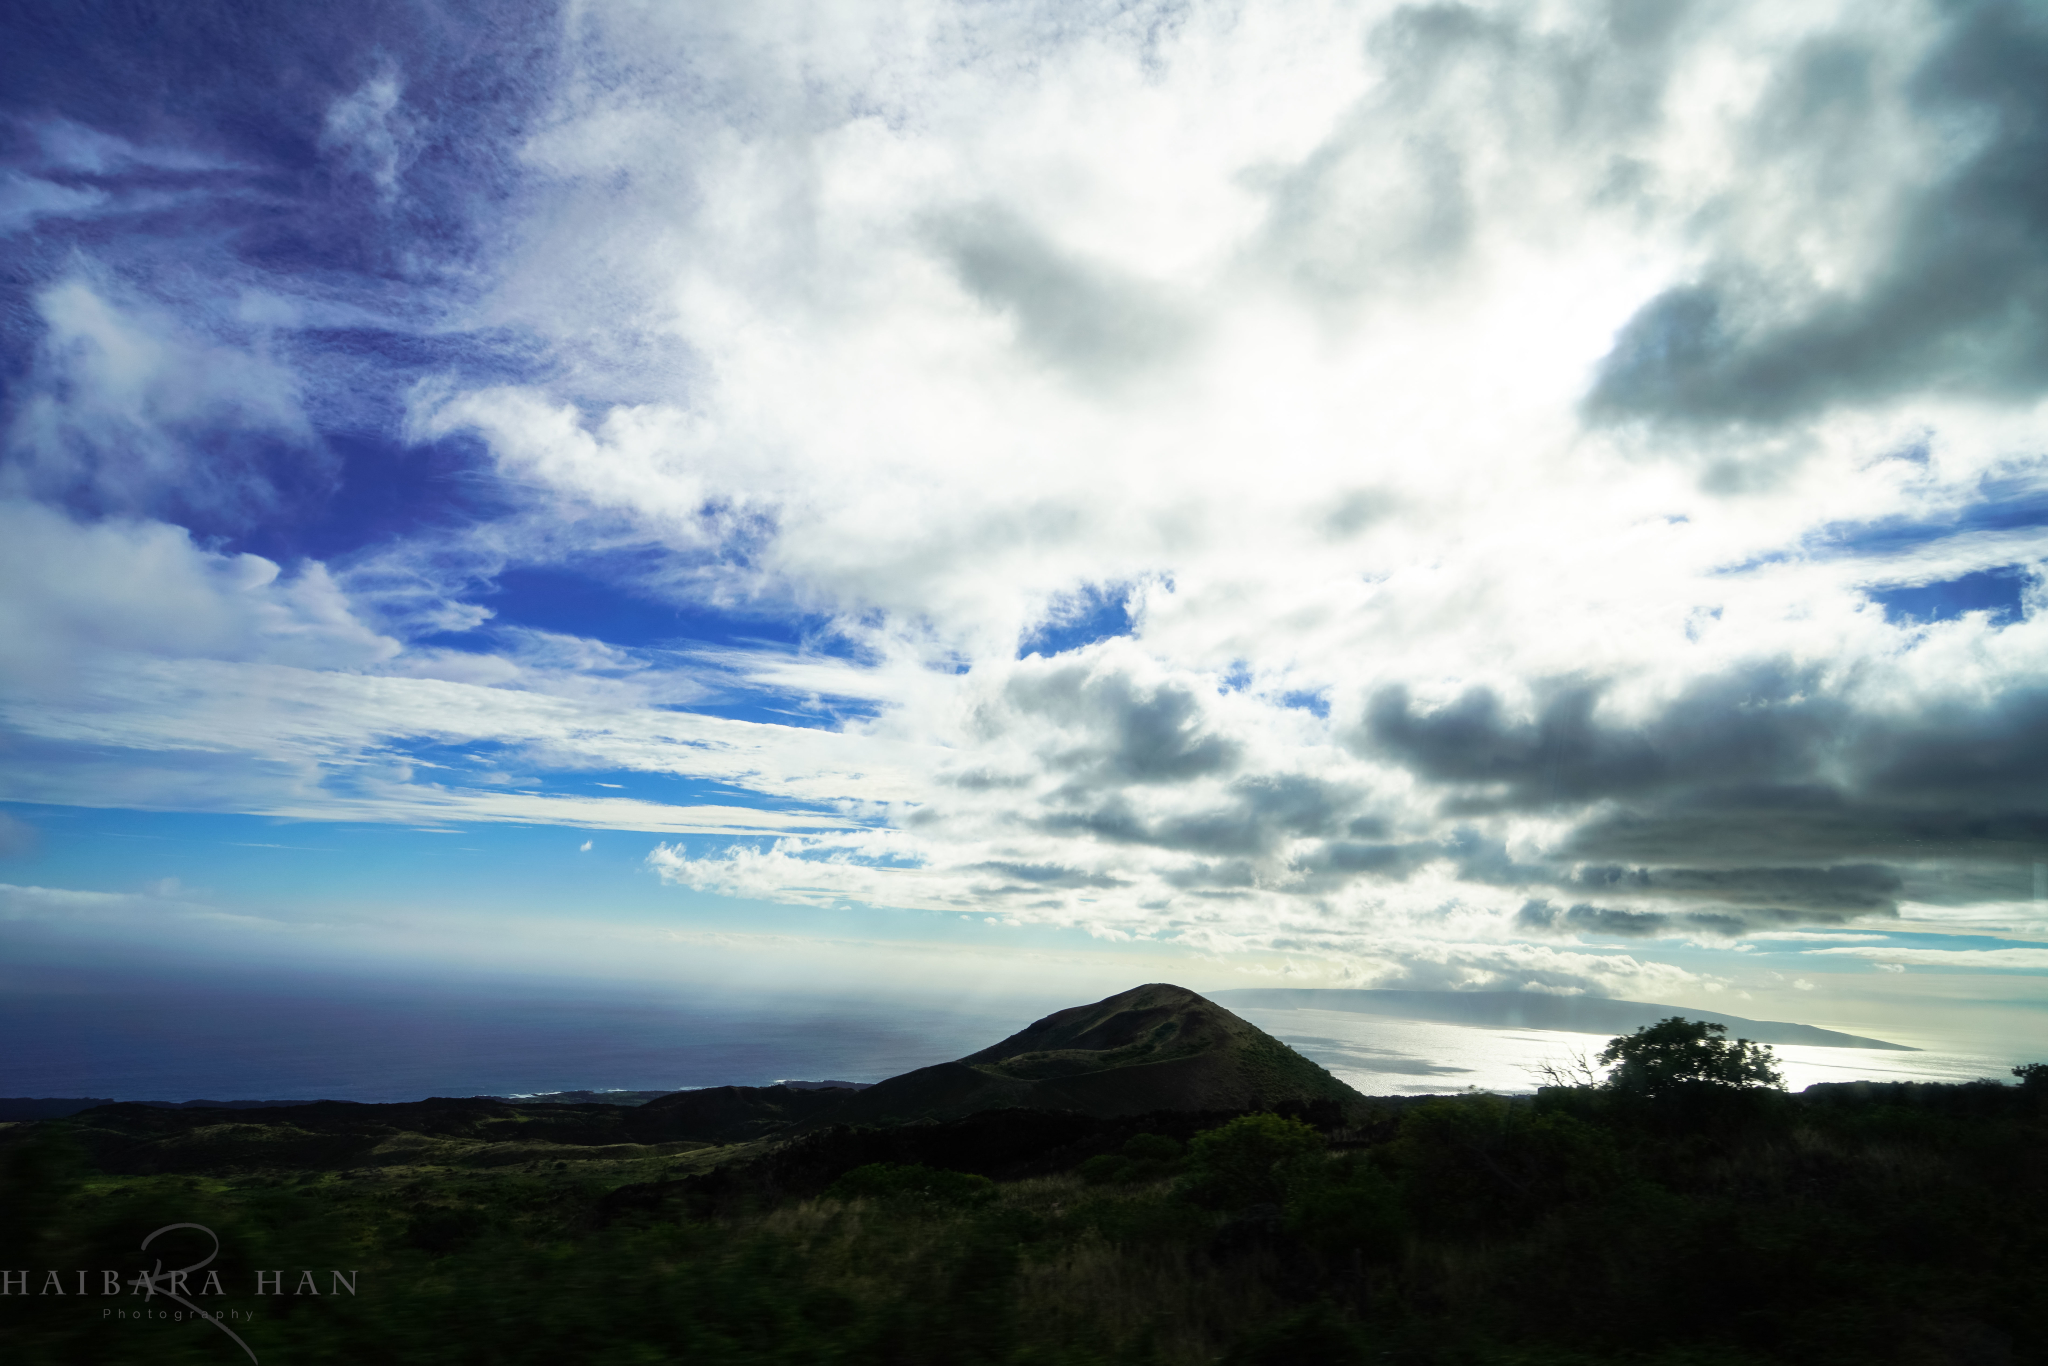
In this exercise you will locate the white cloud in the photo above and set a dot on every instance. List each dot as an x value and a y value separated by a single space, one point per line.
369 130
24 199
1321 340
132 410
81 593
1387 478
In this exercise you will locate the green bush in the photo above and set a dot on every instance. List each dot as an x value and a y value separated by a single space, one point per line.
1254 1159
439 1229
1147 1157
912 1182
1317 1334
1154 1148
1104 1169
1351 1206
37 1175
1481 1160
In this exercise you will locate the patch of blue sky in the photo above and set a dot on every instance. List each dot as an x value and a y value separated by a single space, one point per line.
1999 592
1240 678
309 870
2002 504
1094 613
605 599
257 865
286 189
1316 703
386 490
325 877
582 602
491 765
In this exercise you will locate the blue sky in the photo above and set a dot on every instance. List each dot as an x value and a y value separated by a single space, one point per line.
971 496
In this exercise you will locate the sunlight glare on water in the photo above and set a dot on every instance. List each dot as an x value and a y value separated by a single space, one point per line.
1388 1057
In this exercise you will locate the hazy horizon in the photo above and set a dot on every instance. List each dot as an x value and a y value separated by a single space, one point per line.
195 1036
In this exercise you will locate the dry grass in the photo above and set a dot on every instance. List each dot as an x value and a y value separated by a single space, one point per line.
1184 1303
1089 1290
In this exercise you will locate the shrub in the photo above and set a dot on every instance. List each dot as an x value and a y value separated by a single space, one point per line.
1350 1207
1251 1160
1152 1148
1316 1334
912 1182
440 1229
1481 1160
1147 1157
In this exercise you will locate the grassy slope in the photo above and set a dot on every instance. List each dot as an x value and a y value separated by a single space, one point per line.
1899 1225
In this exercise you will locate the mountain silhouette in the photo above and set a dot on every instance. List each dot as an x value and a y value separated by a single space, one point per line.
1154 1047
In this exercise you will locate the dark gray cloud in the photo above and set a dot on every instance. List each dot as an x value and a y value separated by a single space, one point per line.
1040 876
1215 875
1585 918
1805 823
1762 797
1768 724
1251 818
1753 799
1220 831
1769 738
1717 901
1960 784
1961 303
1130 733
1336 240
1081 316
1403 186
1853 889
1540 917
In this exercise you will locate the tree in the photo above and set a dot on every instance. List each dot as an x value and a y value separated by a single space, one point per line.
1680 1054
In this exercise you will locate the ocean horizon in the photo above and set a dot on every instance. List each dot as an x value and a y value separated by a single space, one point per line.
355 1040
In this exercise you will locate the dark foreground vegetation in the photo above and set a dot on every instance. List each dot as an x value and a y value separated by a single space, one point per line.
1696 1225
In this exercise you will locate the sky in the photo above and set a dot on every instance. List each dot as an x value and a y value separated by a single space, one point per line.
965 498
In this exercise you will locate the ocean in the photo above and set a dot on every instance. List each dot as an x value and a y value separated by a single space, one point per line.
344 1039
1389 1057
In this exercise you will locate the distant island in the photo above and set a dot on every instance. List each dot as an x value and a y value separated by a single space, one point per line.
1533 1010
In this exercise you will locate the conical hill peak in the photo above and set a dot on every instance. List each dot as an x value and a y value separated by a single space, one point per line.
1154 1047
